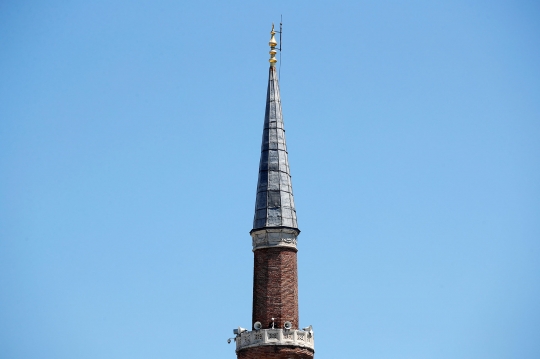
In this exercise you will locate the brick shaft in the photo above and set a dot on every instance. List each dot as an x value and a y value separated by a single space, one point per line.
275 287
275 352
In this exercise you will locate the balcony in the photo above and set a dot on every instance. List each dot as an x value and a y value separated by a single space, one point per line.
261 337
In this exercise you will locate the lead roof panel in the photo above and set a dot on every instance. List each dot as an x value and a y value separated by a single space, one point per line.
274 205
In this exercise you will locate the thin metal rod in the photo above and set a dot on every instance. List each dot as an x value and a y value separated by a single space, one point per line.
280 32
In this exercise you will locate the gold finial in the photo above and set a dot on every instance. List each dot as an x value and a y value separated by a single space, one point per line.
273 45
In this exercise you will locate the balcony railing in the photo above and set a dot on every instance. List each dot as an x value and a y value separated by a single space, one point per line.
256 338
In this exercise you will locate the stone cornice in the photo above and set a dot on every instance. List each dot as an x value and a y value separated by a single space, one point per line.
274 237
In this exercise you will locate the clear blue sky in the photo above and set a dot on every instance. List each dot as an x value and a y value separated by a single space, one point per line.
129 147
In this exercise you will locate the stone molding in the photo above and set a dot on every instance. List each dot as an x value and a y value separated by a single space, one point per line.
274 237
255 338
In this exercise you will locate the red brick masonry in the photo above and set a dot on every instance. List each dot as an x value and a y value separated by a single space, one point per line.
275 352
275 287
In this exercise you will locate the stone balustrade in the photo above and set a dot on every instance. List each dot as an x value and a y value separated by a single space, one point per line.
261 337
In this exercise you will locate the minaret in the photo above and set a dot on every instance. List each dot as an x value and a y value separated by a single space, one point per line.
275 330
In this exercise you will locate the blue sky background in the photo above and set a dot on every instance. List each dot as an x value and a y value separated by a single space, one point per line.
129 147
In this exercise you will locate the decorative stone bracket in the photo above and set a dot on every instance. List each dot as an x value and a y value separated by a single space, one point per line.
261 337
274 237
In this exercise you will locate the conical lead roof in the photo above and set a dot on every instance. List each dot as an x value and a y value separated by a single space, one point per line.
274 206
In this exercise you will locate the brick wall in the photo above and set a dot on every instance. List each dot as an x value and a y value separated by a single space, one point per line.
275 352
275 287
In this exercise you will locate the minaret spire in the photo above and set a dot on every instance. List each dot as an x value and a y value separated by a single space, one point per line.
275 229
276 331
274 207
